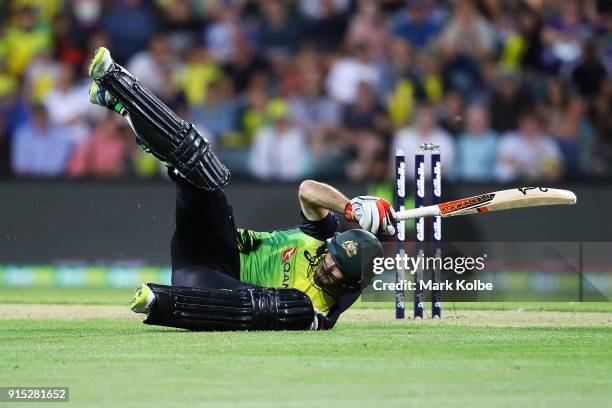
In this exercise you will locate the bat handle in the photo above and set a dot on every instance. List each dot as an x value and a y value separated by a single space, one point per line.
429 211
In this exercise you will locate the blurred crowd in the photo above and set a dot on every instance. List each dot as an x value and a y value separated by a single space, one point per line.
509 90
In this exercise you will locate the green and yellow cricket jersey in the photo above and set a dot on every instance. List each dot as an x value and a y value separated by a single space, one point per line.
277 259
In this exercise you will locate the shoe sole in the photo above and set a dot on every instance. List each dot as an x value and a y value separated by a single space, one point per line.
140 300
98 59
92 93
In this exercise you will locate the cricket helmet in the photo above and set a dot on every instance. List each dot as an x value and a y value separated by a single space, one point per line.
354 252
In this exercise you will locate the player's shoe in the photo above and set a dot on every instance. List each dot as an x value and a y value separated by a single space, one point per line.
143 299
98 95
101 64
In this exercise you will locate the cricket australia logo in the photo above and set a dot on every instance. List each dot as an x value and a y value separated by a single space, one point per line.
350 247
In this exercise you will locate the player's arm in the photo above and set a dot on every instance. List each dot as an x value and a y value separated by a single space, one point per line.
372 213
318 199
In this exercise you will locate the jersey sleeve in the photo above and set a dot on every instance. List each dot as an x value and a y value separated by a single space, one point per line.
321 229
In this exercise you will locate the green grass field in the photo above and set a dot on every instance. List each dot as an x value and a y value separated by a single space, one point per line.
525 355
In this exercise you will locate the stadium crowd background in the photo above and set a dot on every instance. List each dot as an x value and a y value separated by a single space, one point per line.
512 90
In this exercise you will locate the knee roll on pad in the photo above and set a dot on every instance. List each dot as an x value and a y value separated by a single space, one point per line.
224 309
169 138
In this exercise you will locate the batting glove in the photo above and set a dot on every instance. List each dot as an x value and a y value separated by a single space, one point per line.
320 321
372 213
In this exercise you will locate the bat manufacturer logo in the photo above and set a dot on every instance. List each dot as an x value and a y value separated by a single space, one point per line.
288 253
524 190
466 203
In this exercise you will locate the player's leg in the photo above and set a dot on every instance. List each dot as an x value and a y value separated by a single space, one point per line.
205 235
224 309
159 130
205 232
199 276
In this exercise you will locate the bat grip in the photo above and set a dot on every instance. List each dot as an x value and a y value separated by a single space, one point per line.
429 211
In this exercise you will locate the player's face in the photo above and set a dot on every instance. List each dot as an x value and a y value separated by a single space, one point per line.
328 275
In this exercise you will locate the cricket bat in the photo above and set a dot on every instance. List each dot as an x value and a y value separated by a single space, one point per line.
498 200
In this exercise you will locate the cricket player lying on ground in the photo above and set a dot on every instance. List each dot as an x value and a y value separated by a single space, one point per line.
224 278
